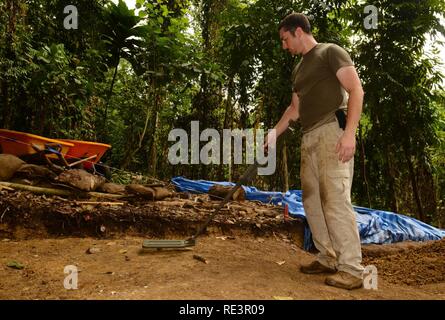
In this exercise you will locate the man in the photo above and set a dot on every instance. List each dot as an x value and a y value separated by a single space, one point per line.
320 83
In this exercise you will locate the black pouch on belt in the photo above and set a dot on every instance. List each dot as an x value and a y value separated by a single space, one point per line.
341 118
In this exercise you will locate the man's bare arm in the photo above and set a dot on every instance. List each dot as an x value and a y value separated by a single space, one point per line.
350 81
291 114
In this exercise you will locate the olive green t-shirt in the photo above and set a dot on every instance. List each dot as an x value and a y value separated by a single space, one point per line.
314 80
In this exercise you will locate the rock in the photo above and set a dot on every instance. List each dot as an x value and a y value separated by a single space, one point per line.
147 192
81 179
9 164
34 171
93 250
162 193
184 195
219 192
112 188
140 190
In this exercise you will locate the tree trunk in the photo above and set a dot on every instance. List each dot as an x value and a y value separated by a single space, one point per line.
392 181
227 124
110 92
133 148
13 10
412 176
129 155
205 102
154 146
363 165
6 123
285 168
426 183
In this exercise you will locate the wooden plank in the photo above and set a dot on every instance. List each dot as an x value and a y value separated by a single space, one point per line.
58 192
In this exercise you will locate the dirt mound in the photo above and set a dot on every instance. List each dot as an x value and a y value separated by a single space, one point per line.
414 266
25 216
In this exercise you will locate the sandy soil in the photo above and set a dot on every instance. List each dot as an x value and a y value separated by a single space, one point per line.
245 267
252 252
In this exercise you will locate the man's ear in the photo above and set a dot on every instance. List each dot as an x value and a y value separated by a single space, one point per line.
298 31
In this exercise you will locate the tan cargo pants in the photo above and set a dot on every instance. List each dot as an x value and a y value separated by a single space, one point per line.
326 184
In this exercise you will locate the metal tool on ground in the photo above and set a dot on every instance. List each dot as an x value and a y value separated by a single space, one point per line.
250 173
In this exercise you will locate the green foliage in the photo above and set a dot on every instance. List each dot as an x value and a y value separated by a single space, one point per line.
397 81
56 91
123 36
128 77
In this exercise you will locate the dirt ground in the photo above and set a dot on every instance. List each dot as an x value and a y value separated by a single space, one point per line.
256 259
240 268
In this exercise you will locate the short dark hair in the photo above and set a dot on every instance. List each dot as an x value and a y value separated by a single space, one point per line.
294 20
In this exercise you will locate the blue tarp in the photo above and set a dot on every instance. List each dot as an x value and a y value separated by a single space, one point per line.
375 226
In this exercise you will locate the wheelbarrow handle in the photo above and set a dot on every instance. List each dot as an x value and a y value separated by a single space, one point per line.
53 147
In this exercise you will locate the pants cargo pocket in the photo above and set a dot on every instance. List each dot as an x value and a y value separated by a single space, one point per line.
336 185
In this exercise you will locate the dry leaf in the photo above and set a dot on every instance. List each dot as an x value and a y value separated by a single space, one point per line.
15 265
199 258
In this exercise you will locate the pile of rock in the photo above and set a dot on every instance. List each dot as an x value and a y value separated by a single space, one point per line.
17 171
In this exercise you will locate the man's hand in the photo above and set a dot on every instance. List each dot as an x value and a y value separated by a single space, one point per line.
270 141
346 147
